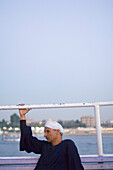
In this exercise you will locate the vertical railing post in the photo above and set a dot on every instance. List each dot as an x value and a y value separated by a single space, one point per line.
98 130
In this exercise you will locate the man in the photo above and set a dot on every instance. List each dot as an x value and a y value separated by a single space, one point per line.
56 154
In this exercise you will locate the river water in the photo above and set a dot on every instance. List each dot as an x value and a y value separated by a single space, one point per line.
87 145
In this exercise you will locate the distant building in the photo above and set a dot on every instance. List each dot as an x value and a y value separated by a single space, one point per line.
28 121
111 121
68 123
88 120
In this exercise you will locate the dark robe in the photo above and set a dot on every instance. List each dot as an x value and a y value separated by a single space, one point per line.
63 156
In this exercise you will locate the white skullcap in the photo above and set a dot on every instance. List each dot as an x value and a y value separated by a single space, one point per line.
54 125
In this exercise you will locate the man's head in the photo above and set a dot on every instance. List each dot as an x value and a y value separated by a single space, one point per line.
53 132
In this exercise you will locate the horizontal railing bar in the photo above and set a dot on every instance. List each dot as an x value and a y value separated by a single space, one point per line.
17 167
88 161
30 160
96 159
98 166
86 167
18 160
60 105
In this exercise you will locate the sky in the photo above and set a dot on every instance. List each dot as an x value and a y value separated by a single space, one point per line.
56 52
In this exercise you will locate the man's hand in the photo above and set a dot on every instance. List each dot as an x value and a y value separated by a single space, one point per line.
23 112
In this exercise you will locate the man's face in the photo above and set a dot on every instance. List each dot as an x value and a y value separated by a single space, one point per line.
50 134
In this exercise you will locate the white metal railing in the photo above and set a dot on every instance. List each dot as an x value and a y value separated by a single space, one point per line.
29 163
72 105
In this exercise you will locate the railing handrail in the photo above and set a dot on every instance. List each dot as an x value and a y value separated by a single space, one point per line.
60 105
33 160
89 162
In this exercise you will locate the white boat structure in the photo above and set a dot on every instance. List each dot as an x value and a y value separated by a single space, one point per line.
12 139
90 162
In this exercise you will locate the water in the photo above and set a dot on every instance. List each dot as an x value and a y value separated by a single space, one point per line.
87 145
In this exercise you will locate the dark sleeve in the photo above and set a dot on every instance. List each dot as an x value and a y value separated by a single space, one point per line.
74 162
29 143
22 124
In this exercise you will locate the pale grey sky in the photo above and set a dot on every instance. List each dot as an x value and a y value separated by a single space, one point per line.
56 52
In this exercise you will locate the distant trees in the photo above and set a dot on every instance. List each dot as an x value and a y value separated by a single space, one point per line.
3 123
71 124
15 120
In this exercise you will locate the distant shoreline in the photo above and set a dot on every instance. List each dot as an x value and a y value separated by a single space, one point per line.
87 134
84 132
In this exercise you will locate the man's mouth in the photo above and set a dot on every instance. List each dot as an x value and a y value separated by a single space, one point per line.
47 139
